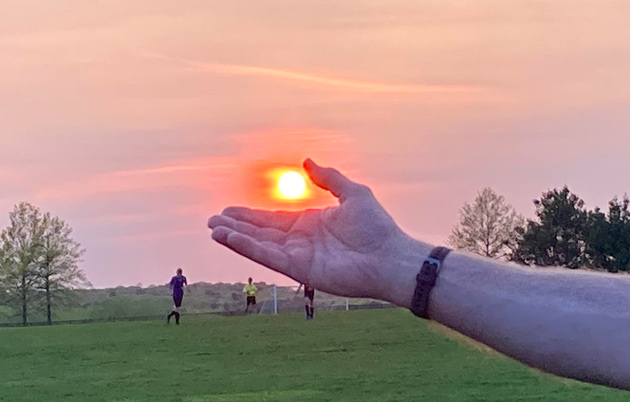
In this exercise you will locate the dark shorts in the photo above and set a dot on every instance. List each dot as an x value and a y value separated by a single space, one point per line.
251 300
177 300
309 294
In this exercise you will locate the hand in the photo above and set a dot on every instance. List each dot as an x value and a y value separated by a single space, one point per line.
349 250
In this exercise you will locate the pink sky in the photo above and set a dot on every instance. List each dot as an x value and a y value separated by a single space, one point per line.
136 121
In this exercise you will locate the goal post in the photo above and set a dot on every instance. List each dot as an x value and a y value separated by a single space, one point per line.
274 299
270 301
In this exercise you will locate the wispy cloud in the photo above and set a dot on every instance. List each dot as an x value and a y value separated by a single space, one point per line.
343 84
118 219
326 81
177 210
172 169
132 180
153 236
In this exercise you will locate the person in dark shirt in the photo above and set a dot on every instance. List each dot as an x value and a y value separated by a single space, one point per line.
309 295
177 287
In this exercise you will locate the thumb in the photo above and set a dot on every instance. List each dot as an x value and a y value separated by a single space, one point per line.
330 179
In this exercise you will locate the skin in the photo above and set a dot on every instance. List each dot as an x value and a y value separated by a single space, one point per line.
573 324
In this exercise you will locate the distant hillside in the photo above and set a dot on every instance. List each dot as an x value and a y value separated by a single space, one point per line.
200 297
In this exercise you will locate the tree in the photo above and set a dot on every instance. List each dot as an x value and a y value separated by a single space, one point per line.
19 253
559 237
489 226
58 258
4 276
608 240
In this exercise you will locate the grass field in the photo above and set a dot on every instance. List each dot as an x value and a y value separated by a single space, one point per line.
381 355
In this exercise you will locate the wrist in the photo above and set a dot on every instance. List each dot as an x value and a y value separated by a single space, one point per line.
399 282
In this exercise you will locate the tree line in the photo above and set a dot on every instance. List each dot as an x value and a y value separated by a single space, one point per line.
39 258
39 262
563 233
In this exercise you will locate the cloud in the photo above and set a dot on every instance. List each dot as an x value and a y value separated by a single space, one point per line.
330 82
137 180
122 219
172 169
178 210
343 84
156 236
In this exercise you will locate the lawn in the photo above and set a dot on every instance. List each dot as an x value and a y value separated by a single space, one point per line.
379 355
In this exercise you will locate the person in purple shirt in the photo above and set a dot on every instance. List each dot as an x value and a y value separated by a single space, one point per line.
177 287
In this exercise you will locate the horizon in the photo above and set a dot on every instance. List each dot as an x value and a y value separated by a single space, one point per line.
135 124
146 286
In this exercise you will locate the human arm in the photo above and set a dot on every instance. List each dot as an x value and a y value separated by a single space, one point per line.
569 323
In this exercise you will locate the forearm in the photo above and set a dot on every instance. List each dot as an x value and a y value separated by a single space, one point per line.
571 323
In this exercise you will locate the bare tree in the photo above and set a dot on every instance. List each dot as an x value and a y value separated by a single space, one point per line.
58 261
19 253
489 226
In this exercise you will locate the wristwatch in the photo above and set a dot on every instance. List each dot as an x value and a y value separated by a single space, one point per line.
425 280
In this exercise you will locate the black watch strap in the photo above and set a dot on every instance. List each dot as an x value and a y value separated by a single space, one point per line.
425 280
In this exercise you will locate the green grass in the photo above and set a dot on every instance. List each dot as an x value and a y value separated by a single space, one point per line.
382 355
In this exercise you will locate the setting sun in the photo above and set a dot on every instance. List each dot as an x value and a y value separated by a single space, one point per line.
281 185
291 186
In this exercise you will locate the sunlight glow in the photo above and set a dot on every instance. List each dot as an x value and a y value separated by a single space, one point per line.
291 186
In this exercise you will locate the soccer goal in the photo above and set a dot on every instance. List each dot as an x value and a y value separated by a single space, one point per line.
269 303
283 299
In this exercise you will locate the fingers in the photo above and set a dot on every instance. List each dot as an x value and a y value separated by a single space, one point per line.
265 253
330 179
282 220
261 234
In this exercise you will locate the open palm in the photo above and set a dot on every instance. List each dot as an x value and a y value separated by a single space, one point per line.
340 250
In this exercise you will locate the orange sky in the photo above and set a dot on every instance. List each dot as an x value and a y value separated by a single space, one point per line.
136 121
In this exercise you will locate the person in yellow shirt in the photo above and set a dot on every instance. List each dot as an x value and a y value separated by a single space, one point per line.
250 290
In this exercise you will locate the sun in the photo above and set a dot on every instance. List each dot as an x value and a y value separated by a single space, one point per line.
291 186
